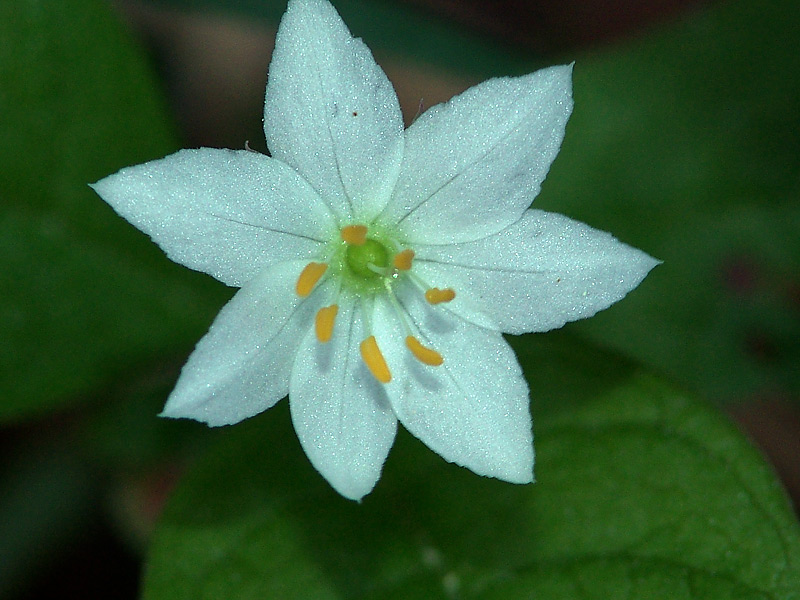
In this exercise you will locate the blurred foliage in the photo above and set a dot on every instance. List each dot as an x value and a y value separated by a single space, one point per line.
684 142
45 504
687 143
641 493
84 294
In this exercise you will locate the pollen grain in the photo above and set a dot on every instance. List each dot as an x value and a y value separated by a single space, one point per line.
437 296
374 360
423 354
309 277
402 260
355 235
323 323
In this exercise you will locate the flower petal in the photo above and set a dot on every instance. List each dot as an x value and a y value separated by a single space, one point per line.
340 412
535 275
227 213
242 366
331 113
473 409
471 166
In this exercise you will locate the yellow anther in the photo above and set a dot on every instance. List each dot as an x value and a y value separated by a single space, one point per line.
309 278
374 360
423 354
437 296
323 323
354 234
402 260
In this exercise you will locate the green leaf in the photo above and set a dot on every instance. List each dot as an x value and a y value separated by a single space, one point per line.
641 492
84 294
685 143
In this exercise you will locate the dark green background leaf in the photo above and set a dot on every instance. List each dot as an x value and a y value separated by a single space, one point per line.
686 143
84 294
640 491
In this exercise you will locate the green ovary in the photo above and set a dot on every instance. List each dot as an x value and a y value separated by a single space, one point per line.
358 259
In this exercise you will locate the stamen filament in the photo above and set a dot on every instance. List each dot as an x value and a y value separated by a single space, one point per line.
323 323
402 260
309 278
423 354
374 360
355 235
437 296
397 308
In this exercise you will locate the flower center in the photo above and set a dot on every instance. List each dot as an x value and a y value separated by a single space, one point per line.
366 267
363 259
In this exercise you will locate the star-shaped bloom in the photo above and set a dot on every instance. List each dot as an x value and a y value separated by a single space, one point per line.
379 267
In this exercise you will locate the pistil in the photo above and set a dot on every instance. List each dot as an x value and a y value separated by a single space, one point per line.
367 260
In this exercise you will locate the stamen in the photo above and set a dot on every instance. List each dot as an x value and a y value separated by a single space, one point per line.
354 234
374 360
323 323
437 296
423 354
309 278
402 260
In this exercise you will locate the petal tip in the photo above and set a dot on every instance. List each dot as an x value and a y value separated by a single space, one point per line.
166 414
645 264
101 186
354 489
522 478
180 410
521 473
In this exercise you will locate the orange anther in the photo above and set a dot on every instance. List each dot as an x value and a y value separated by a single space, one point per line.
423 354
374 360
437 296
323 323
309 278
354 234
402 260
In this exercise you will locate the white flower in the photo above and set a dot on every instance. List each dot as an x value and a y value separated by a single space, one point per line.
378 267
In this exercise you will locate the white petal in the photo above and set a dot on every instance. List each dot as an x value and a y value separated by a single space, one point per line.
473 165
242 365
473 409
331 113
536 275
227 213
340 412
